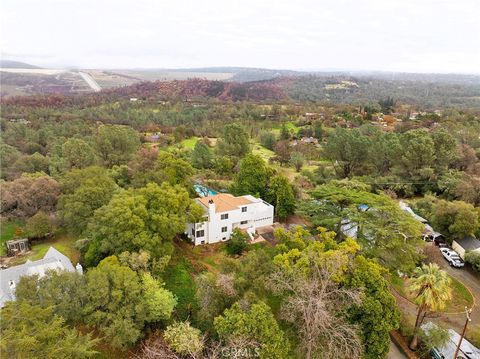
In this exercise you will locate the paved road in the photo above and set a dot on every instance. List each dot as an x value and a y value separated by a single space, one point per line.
469 278
90 81
395 352
465 275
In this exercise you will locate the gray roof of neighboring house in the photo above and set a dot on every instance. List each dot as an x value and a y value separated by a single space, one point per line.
467 349
468 243
9 278
408 209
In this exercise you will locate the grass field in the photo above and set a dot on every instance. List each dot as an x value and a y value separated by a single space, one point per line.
189 142
461 295
7 232
61 241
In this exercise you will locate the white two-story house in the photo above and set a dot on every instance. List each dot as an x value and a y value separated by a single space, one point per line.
224 213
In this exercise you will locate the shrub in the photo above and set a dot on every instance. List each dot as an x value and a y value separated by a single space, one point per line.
237 243
184 339
474 259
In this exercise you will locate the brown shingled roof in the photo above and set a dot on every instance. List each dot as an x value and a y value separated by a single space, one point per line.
224 202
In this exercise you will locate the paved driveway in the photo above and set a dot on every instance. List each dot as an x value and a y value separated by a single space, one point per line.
469 278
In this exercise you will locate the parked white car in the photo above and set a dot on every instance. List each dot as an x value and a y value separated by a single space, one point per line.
452 257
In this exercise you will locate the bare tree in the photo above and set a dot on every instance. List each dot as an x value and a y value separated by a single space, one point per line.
155 348
315 304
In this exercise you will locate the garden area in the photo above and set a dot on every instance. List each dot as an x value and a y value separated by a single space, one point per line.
461 296
61 240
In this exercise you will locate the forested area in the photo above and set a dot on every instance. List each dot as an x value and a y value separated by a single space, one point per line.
116 176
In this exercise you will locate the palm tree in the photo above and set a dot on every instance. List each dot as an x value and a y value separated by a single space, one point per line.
431 288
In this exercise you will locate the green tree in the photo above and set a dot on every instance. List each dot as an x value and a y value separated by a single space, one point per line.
8 156
30 331
234 141
284 133
418 155
39 225
383 230
318 130
74 153
431 287
252 177
115 302
474 259
174 170
62 291
267 139
201 156
348 150
159 301
32 163
297 159
85 191
147 218
238 242
115 144
184 339
445 149
455 219
385 151
377 314
255 324
280 195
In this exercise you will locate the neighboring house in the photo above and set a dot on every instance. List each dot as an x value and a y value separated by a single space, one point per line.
467 349
9 278
466 244
224 213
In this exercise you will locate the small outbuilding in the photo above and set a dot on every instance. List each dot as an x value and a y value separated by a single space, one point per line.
461 246
15 246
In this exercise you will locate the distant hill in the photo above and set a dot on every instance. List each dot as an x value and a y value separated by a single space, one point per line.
10 64
255 84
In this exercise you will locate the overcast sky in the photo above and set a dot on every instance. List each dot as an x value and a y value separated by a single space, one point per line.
392 35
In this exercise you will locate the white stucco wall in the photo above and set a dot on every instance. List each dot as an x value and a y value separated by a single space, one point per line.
258 214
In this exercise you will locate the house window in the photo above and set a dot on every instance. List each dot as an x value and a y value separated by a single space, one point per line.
193 232
244 209
202 242
224 216
243 222
224 229
200 233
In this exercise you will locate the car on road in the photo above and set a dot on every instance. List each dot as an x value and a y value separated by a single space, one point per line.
452 257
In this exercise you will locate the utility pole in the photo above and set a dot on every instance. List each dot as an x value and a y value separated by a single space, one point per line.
467 313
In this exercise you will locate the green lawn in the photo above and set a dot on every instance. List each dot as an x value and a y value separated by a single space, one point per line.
178 278
263 152
461 295
7 232
61 241
290 126
189 142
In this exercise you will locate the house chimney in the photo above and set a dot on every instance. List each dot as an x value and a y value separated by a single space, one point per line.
79 268
211 209
12 286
